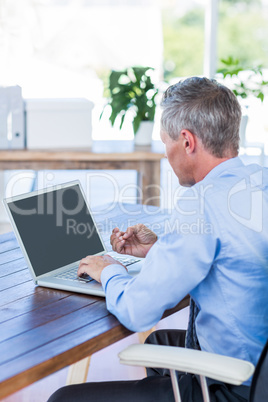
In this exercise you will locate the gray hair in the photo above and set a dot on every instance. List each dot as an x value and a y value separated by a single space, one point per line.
207 109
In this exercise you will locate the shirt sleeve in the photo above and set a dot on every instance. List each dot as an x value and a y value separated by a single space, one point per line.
174 266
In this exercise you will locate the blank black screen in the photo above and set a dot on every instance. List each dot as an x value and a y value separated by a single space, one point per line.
56 228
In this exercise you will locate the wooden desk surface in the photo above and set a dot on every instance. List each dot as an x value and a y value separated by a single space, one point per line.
43 330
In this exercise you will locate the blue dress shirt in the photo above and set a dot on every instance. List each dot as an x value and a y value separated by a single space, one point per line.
216 249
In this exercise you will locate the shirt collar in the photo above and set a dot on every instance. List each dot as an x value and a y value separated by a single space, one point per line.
226 165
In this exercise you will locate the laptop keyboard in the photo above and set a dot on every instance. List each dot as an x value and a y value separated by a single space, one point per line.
127 260
71 274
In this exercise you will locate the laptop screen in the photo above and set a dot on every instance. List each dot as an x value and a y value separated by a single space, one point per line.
56 228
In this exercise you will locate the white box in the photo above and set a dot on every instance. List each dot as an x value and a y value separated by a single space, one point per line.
58 123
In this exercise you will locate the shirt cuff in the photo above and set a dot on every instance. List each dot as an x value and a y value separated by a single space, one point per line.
110 271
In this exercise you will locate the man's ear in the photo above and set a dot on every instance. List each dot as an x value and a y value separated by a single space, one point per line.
188 141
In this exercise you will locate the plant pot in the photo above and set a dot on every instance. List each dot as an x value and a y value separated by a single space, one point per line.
144 133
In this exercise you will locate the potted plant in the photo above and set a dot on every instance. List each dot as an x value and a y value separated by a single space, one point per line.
245 83
132 91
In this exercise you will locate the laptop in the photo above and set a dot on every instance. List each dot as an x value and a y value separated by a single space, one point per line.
55 230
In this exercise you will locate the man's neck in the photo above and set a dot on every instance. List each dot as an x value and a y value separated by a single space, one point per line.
205 164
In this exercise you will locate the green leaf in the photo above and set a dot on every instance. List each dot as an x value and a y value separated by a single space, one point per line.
140 72
136 123
260 96
122 120
112 117
114 78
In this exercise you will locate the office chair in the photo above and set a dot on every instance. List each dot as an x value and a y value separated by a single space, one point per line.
218 367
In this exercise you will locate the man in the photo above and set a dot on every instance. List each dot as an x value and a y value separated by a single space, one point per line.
217 250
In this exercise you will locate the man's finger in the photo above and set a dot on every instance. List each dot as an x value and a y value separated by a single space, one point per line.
114 240
129 232
119 246
115 230
83 262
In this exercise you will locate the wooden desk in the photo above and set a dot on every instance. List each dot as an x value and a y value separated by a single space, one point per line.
104 155
43 330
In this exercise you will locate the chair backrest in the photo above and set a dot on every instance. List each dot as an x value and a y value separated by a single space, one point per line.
259 386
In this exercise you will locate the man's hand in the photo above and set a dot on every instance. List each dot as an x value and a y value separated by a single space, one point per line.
136 240
93 265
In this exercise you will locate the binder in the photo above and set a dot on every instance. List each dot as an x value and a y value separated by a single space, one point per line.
3 118
12 126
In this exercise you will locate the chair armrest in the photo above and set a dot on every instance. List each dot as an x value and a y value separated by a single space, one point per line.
221 368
